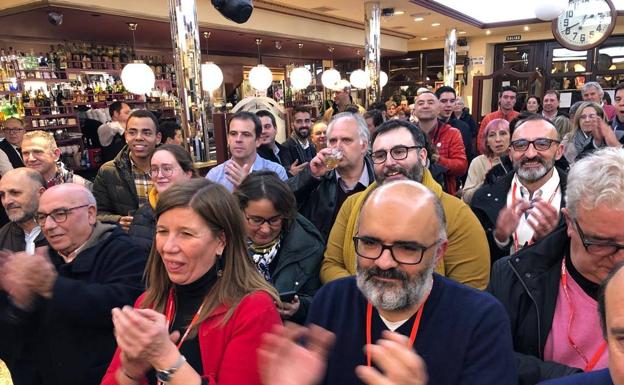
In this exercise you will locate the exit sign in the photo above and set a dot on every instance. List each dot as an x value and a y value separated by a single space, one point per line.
513 37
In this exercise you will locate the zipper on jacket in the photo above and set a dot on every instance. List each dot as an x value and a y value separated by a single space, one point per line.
539 326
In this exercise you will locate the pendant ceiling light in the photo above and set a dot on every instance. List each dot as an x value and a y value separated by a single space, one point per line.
260 77
359 79
549 10
211 74
300 77
330 76
137 77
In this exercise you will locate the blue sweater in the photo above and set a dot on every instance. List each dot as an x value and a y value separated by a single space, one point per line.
464 335
599 377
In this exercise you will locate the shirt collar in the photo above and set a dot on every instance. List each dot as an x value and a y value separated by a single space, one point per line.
547 190
364 180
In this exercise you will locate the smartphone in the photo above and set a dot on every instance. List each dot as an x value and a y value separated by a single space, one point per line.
287 296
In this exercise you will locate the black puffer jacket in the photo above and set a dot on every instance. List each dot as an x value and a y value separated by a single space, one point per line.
114 188
299 264
527 285
143 227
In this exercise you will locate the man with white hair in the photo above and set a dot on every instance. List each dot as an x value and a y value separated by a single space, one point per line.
461 334
592 92
550 290
57 303
320 191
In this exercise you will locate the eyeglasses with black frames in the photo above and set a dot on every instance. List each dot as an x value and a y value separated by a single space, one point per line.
405 253
58 215
257 221
540 144
597 247
396 152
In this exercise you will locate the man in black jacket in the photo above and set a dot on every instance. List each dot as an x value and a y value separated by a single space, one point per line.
299 148
550 288
10 153
58 303
269 149
523 207
320 192
20 190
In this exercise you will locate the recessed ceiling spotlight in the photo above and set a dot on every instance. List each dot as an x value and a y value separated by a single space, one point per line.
424 38
435 24
461 32
419 18
488 32
398 12
526 28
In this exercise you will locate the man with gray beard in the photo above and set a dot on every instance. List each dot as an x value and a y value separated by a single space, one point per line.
523 206
462 335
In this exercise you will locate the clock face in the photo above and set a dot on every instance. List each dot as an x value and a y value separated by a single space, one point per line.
584 24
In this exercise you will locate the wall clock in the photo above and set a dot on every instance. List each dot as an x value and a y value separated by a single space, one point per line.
584 24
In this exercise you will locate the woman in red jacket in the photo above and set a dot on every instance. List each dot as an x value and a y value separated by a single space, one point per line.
206 307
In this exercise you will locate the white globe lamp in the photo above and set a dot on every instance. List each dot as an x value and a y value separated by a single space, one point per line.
137 77
300 78
212 76
383 79
260 77
359 79
330 77
549 10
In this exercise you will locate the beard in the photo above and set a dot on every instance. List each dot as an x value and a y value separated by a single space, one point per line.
533 174
303 132
415 173
390 296
21 215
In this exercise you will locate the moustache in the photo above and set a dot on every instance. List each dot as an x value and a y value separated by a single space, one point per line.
13 206
538 159
395 169
392 273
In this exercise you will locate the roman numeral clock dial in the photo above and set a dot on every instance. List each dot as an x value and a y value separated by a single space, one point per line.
584 24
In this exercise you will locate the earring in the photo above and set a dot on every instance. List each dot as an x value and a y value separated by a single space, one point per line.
219 266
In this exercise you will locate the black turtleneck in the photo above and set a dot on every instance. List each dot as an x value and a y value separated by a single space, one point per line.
188 299
590 288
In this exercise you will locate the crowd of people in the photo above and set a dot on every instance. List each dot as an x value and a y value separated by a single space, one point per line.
404 245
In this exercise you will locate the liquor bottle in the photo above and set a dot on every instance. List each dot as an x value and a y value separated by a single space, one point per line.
116 58
47 105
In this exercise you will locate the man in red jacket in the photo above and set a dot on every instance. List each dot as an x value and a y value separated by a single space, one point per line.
449 147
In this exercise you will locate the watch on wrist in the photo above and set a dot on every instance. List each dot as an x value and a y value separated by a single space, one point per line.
165 375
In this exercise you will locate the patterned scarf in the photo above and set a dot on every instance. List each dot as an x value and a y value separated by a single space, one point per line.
263 256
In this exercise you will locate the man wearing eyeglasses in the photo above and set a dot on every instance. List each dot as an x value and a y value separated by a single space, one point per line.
58 301
399 153
461 334
550 290
523 206
10 153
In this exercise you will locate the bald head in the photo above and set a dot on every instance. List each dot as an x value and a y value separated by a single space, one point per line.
20 189
72 193
404 203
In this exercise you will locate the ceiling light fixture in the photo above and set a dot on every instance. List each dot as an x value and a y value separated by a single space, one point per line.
461 32
211 74
300 77
137 77
419 18
424 38
398 13
260 77
488 32
526 28
435 24
330 76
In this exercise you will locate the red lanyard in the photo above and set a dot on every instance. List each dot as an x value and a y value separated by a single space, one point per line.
513 202
169 317
369 321
590 363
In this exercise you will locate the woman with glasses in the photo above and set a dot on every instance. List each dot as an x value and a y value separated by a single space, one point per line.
170 163
286 248
495 144
206 308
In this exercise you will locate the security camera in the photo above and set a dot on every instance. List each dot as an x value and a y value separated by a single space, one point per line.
55 18
239 11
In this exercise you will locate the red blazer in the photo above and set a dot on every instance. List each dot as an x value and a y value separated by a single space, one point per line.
450 146
228 351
